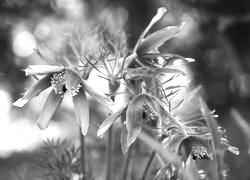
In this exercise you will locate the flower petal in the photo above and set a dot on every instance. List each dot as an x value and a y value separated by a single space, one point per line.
124 142
175 60
82 110
142 110
73 81
156 39
134 118
109 121
42 69
99 97
51 105
34 91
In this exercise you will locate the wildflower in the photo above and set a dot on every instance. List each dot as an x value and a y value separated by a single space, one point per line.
194 139
142 110
61 80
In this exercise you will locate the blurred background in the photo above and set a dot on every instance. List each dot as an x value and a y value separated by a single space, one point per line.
216 34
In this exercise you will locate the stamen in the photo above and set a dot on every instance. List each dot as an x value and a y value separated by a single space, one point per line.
149 116
199 151
58 82
74 90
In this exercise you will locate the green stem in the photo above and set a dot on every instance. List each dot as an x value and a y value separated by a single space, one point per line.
83 159
110 154
113 87
150 160
127 163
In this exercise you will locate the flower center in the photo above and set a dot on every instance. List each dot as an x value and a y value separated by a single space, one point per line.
66 81
199 151
150 118
73 82
58 82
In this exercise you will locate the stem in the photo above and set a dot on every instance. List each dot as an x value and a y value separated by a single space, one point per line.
127 163
82 139
110 154
129 60
150 160
113 88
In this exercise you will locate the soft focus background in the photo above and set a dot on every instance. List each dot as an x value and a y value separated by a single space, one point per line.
216 34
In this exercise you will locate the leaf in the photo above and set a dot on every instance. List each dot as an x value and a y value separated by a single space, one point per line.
51 105
82 110
156 39
107 123
34 91
42 69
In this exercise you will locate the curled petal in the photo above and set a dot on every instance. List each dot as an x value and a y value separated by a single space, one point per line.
82 110
99 97
156 39
134 117
42 69
175 60
160 13
109 121
51 105
73 81
195 146
124 142
34 91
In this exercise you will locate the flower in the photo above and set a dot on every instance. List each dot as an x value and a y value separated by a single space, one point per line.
141 111
61 80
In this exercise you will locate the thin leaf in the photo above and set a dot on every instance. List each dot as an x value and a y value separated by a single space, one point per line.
107 123
51 105
34 91
82 110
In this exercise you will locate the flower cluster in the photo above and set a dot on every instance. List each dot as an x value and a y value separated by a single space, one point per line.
190 134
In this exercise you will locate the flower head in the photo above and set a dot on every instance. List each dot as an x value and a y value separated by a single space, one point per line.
62 80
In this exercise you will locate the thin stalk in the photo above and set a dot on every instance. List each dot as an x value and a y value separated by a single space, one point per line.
83 159
127 163
150 160
110 154
113 88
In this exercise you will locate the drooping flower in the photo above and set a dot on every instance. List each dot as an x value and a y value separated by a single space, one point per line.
141 111
62 80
